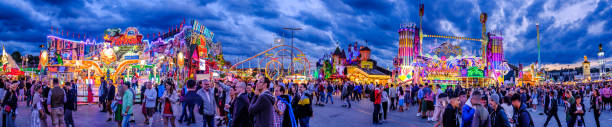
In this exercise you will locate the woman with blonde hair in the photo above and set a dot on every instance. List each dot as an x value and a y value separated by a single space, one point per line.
39 118
116 105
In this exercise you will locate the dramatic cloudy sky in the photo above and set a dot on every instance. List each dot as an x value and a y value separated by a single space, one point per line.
569 28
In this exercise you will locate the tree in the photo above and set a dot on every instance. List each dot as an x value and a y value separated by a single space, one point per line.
32 61
17 57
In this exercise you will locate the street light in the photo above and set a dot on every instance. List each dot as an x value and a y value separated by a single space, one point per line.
292 33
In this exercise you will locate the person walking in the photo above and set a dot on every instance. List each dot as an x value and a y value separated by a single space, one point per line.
10 105
376 97
385 104
117 106
127 105
577 111
595 106
150 95
160 92
568 115
39 117
393 97
170 105
110 97
89 94
207 106
521 117
349 91
551 108
401 98
28 92
57 99
450 117
183 115
191 99
330 91
70 105
101 95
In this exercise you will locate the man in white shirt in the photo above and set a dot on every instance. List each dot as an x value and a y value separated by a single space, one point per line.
150 95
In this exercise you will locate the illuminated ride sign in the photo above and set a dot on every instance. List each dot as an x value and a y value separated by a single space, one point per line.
130 37
201 29
475 72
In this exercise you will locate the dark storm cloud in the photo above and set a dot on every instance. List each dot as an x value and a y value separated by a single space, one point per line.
569 29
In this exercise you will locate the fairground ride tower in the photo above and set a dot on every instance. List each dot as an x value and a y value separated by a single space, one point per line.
409 48
602 63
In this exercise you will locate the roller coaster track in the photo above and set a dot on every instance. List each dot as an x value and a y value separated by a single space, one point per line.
271 49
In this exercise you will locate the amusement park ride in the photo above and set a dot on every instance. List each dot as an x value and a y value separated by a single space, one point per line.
275 60
448 66
182 52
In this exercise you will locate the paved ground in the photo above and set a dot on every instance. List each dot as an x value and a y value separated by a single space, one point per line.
331 115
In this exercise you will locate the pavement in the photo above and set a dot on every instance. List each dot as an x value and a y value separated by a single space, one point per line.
330 115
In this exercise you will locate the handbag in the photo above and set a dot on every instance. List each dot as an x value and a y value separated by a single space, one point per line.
7 108
143 109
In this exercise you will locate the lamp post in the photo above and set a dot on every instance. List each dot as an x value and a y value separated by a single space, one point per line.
292 33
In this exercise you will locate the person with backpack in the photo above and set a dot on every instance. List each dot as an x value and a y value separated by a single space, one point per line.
70 105
303 106
376 97
279 106
521 117
467 111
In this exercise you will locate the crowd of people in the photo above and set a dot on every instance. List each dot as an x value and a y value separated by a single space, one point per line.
503 106
264 103
254 103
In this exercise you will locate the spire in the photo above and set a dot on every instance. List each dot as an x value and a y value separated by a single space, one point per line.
538 41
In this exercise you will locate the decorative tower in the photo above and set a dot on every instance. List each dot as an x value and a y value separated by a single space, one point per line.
602 62
586 69
495 55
